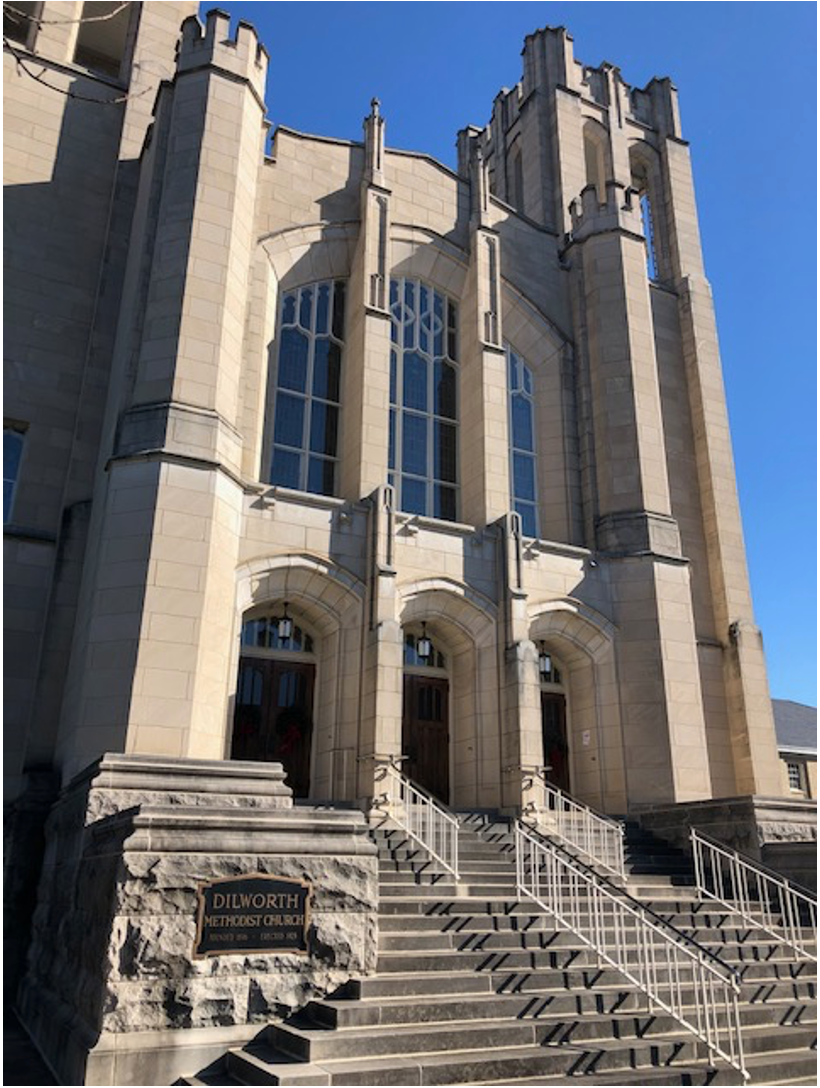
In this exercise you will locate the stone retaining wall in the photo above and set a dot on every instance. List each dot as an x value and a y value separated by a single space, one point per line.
113 993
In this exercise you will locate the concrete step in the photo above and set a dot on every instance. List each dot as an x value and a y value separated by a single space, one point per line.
300 1038
734 952
554 955
547 1007
503 1065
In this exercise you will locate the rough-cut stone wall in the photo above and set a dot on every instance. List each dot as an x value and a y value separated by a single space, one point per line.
114 931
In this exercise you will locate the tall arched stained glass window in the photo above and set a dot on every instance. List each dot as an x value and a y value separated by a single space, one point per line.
422 455
522 442
308 380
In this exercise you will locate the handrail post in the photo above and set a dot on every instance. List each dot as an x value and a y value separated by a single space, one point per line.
587 904
782 920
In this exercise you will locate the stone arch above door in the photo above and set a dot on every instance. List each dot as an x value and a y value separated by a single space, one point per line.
463 622
330 601
584 641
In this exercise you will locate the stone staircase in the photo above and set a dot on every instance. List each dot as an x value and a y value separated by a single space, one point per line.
474 987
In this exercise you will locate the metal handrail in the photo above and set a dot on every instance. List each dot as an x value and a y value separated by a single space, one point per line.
760 896
421 816
597 837
677 975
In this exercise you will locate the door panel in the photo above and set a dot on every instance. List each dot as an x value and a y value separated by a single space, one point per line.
554 732
273 717
425 734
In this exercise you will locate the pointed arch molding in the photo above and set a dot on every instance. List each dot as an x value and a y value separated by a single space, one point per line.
327 595
311 252
574 622
456 606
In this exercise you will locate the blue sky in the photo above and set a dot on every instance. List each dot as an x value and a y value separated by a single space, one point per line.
746 77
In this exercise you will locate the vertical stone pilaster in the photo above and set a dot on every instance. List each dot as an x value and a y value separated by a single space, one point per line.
484 440
366 382
383 662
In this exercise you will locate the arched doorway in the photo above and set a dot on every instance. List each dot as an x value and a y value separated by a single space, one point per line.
273 713
426 714
554 720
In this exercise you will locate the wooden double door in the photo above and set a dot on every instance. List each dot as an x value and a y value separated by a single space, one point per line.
273 716
554 733
426 734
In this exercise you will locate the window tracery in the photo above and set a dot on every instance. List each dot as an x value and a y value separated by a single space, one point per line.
423 437
308 383
521 389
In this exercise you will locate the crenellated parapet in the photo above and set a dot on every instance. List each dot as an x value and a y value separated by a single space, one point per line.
620 210
212 46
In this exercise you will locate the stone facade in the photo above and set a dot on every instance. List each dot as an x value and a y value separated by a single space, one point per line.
156 549
636 581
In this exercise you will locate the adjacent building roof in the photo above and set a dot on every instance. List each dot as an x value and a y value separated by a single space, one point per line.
795 725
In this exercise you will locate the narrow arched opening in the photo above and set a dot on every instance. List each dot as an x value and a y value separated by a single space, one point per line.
275 692
426 711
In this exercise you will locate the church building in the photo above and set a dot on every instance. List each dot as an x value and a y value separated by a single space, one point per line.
325 455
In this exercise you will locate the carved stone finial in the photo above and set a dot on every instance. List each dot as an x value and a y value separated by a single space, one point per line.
374 107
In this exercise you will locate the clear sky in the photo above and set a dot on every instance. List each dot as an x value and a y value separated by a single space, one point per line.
746 77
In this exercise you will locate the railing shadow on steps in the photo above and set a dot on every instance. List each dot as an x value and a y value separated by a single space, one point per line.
677 974
423 818
762 897
599 838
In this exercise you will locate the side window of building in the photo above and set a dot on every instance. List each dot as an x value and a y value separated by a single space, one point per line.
521 389
20 23
797 777
423 439
308 383
102 36
13 439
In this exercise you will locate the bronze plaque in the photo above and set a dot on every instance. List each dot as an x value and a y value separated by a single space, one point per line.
254 913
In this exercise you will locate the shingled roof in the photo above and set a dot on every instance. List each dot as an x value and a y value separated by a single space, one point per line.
795 725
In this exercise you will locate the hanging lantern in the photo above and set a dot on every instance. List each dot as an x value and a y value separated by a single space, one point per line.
284 625
544 661
424 647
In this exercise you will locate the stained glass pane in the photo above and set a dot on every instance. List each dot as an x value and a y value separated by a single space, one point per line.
285 468
305 307
523 477
415 381
327 365
451 330
322 307
338 329
289 310
522 435
528 520
293 357
414 444
413 495
445 452
526 374
289 421
512 372
438 325
391 440
393 367
424 324
324 420
445 391
321 476
8 492
444 502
